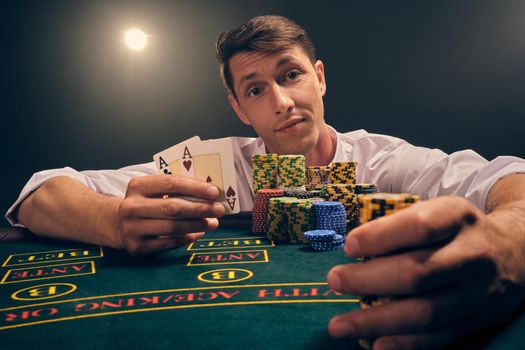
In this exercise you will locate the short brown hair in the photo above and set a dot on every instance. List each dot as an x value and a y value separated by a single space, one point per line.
262 33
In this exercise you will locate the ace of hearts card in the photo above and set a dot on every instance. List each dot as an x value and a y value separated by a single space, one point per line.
211 161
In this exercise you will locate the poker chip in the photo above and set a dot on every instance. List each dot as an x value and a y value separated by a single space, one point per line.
300 219
375 205
320 235
330 215
277 220
345 194
343 172
316 177
365 188
291 200
260 209
291 172
325 240
264 167
297 193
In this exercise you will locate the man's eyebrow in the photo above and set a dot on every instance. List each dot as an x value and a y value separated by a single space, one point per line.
248 77
283 61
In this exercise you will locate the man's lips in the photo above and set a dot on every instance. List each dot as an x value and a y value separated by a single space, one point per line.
290 123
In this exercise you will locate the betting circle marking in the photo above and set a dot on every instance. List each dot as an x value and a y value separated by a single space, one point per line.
225 275
44 291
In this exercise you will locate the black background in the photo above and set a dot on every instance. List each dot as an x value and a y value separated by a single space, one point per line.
444 74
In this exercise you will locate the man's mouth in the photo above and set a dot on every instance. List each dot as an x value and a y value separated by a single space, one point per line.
290 124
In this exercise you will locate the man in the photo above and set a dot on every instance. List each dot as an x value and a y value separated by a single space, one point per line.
441 259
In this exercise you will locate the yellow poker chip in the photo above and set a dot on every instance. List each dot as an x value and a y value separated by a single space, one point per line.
375 205
264 167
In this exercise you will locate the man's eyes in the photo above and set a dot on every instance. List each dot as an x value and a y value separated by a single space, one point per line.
255 91
292 75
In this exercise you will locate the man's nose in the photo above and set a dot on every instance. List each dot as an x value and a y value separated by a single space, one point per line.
283 103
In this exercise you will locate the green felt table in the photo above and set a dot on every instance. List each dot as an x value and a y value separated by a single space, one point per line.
231 289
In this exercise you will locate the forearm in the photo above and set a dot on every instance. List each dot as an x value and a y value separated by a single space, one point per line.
63 208
507 193
506 209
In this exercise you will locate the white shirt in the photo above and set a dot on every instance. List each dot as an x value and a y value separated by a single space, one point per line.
392 164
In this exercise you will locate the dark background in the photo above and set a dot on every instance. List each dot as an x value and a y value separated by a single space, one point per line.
445 74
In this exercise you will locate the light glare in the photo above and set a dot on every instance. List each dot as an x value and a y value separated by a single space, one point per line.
136 39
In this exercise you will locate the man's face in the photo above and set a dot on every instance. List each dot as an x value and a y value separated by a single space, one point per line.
281 96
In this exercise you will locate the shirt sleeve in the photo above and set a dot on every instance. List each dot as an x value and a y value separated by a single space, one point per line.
397 166
109 182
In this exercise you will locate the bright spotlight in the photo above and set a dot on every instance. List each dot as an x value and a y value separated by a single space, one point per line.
136 39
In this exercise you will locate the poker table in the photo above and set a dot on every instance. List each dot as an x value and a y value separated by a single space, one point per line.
231 289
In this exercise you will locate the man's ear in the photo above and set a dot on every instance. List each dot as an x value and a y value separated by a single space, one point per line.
319 71
238 110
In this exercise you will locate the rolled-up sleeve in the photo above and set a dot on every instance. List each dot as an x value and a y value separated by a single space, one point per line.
397 166
108 182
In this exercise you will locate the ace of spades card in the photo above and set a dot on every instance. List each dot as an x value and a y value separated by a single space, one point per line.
212 161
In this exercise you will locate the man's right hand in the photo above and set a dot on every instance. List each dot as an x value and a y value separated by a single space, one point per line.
155 216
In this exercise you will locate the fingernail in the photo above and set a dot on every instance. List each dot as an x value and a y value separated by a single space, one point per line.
212 191
333 279
217 206
340 328
351 246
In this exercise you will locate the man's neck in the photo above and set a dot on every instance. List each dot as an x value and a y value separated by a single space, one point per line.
324 150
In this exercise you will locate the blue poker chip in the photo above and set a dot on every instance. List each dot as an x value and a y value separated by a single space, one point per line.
338 239
332 222
333 211
338 246
328 207
326 204
331 216
338 218
320 235
330 227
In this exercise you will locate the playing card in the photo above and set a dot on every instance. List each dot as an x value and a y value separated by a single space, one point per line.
168 161
212 161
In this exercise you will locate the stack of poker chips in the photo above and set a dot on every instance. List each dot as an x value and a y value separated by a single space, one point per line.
330 216
373 206
291 172
297 193
316 177
300 218
264 171
365 188
260 209
277 220
344 194
323 240
360 190
343 172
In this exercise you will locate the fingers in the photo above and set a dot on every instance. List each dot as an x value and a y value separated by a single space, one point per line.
422 224
417 271
437 339
406 316
170 208
390 275
146 237
164 243
159 185
148 222
141 229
